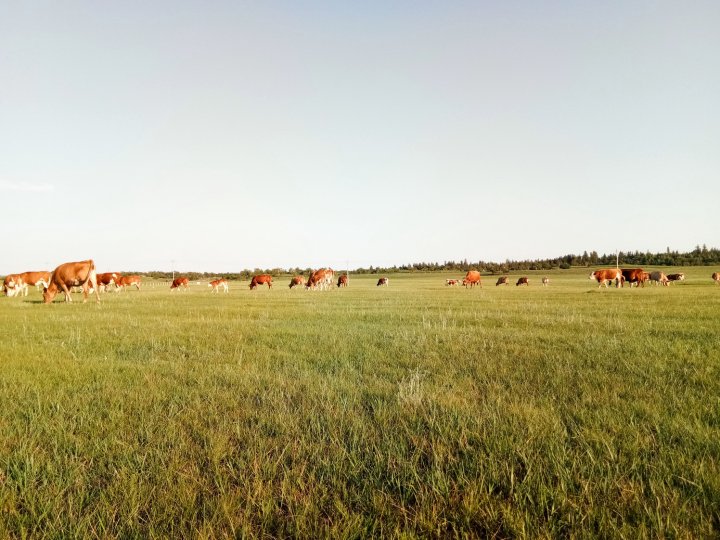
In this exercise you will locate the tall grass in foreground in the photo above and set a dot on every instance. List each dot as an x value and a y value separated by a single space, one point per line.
412 410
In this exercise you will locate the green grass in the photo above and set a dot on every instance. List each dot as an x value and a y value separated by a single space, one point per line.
415 410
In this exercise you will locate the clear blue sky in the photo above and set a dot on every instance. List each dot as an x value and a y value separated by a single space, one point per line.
230 135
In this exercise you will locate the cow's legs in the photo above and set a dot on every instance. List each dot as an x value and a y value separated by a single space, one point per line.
65 289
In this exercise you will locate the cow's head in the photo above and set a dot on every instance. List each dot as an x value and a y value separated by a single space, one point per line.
49 294
593 276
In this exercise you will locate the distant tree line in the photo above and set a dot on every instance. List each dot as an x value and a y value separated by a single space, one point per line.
700 256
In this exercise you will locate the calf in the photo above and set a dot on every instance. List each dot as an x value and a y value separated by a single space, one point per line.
342 281
382 281
676 277
545 281
296 281
216 284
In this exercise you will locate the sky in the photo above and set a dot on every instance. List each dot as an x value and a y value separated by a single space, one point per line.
223 135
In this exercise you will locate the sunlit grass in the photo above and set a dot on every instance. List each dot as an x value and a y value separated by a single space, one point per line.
414 409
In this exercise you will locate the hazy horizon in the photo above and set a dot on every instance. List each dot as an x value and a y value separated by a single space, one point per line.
212 137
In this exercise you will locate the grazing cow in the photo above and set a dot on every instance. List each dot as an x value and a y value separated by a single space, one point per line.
676 277
72 274
503 280
125 281
545 281
261 279
180 282
296 281
19 282
106 279
216 284
658 277
523 281
342 281
472 278
321 279
716 277
633 276
452 282
382 281
607 275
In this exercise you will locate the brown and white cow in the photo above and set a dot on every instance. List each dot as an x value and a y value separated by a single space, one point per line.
676 277
180 282
382 281
452 282
296 281
125 281
472 278
217 284
658 277
607 275
321 279
716 277
17 284
545 281
106 279
523 281
634 276
261 279
503 280
72 274
342 281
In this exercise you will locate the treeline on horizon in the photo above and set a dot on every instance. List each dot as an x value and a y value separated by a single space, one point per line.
700 256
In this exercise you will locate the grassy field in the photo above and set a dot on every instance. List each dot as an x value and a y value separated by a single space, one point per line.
415 410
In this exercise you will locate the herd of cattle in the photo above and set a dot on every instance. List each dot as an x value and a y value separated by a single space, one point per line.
83 275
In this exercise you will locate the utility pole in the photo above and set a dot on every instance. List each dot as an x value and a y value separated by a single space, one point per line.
172 263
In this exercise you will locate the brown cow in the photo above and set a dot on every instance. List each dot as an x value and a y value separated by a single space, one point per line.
19 282
472 278
296 281
261 279
72 274
342 281
216 284
321 279
503 280
523 281
382 281
106 279
126 281
607 275
633 276
180 282
716 277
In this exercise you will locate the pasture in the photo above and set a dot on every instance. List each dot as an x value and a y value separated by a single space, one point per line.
413 410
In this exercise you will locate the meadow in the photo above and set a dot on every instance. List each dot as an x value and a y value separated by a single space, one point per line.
414 410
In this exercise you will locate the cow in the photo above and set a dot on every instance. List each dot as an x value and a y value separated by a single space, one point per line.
503 280
523 281
342 281
676 277
716 277
658 277
545 281
126 281
180 282
472 278
261 279
296 281
633 276
452 282
321 279
19 282
382 281
216 284
72 274
607 275
106 279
